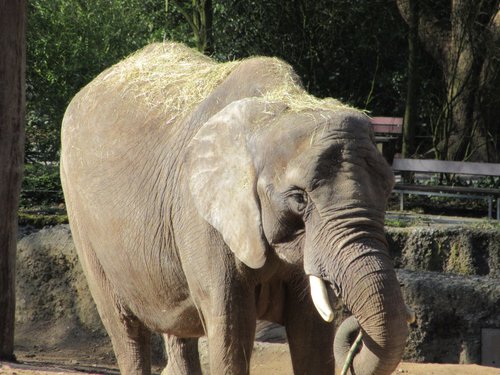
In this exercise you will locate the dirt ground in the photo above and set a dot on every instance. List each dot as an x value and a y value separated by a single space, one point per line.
268 359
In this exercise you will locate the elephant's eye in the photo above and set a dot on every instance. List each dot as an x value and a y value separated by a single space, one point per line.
297 201
299 198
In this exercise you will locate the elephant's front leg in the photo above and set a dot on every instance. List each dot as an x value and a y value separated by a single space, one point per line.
231 330
310 338
182 355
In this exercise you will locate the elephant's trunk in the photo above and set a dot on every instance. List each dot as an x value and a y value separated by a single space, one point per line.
364 277
376 302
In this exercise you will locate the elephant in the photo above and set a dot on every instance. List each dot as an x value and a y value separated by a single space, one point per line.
203 196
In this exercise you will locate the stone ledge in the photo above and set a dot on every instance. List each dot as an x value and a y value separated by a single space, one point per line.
463 250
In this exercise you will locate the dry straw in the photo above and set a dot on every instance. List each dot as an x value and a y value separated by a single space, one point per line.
174 78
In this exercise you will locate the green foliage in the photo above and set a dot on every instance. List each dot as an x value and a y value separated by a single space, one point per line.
41 185
69 43
339 48
351 50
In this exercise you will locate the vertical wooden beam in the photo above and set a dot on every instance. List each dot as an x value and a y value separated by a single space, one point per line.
12 111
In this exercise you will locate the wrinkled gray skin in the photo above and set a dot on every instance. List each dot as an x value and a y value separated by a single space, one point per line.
203 226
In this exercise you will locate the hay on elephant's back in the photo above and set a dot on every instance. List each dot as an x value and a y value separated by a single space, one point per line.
165 76
173 78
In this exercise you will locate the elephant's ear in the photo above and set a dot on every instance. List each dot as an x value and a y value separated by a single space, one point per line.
223 180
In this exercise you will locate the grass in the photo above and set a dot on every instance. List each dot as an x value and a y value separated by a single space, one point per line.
396 223
406 222
487 224
42 218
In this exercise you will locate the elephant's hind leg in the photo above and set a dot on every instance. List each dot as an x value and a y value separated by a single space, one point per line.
183 357
130 338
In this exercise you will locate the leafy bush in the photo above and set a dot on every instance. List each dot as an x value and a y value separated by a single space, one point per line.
41 185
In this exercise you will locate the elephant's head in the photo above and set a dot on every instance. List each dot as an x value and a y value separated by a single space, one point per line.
265 177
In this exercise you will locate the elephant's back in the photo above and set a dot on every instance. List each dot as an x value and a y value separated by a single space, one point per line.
163 80
143 98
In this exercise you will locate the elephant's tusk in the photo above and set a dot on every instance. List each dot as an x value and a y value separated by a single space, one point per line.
320 298
411 317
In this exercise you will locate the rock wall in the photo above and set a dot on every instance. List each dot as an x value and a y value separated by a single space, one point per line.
54 307
450 278
451 310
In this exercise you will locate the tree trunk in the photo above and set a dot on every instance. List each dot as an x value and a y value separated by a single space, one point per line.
461 42
463 68
411 109
201 23
489 92
12 82
209 42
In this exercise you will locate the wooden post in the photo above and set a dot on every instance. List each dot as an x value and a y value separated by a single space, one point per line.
12 110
